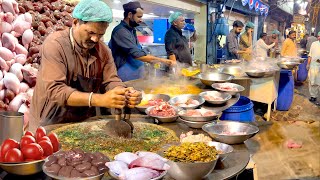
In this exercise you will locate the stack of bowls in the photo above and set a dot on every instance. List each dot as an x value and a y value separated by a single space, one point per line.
197 121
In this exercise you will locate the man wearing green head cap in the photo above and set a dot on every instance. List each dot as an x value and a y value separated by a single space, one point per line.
314 70
273 38
78 72
177 46
246 41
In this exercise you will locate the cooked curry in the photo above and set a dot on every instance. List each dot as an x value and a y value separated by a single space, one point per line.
91 136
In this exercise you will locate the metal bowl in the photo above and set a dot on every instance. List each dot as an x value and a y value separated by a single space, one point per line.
197 118
240 88
226 97
287 64
23 169
255 74
233 70
223 149
97 177
191 171
208 78
195 124
165 119
148 97
185 97
216 131
115 176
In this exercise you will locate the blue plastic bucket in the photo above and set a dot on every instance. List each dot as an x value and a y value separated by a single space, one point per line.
285 91
241 111
302 72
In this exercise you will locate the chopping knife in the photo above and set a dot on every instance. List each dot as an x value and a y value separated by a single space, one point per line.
119 127
127 114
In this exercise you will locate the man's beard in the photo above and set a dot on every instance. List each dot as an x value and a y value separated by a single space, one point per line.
133 23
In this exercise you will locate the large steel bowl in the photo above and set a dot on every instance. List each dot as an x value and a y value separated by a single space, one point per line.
191 171
287 64
255 74
23 169
115 176
195 124
223 149
148 97
165 119
218 131
198 118
225 96
208 78
182 98
240 88
233 70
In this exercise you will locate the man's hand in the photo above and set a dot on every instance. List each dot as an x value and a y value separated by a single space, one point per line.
308 67
114 98
133 97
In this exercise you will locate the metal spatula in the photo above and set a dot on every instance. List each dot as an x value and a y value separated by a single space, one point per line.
118 127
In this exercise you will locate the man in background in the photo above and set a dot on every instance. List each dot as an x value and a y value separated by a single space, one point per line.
310 40
177 46
289 47
303 42
261 46
127 52
232 45
246 41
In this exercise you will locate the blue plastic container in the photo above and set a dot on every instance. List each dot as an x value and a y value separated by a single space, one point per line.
285 91
302 72
241 111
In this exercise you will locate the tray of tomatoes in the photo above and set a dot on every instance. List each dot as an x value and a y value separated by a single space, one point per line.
27 156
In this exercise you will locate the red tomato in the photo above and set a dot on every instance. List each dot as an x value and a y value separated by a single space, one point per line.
45 138
32 151
13 155
40 133
54 141
7 145
29 133
47 147
27 139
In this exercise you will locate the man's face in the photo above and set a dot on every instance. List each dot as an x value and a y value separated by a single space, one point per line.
292 36
135 19
88 34
238 30
180 22
250 30
264 38
274 36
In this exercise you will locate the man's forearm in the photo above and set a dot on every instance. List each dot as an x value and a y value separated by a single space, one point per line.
78 98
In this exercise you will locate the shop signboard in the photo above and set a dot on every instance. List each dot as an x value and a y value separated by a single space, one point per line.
298 19
257 5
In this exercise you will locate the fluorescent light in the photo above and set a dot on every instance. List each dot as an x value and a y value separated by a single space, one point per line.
171 12
119 14
116 1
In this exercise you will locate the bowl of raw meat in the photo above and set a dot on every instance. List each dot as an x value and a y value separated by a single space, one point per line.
151 100
164 112
230 132
198 115
139 165
215 97
230 88
195 124
187 101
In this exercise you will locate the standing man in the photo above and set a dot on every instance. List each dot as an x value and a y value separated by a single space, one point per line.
126 50
246 41
177 46
314 70
75 65
261 46
304 41
274 38
232 45
289 47
311 39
